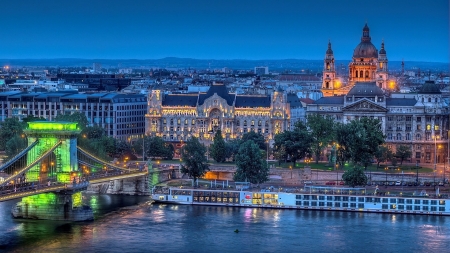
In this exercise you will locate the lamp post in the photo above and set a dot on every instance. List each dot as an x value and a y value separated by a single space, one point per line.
435 161
417 173
385 183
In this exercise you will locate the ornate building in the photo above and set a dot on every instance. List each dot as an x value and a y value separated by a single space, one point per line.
367 65
419 120
177 117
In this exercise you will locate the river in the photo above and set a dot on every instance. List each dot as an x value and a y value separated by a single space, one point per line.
133 224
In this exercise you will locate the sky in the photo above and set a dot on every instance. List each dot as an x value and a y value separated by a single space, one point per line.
413 30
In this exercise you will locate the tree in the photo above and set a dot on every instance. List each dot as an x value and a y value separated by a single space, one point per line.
9 128
77 117
250 164
194 159
232 148
14 145
354 177
31 118
218 149
362 139
403 152
322 132
93 132
295 144
383 155
343 138
258 139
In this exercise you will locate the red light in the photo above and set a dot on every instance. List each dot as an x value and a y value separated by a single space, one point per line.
247 197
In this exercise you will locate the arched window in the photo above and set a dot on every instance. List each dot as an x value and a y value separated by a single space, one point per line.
408 137
399 136
356 73
245 123
367 74
361 73
429 99
435 100
418 137
327 85
328 66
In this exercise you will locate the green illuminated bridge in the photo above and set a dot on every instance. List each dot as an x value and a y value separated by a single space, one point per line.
51 172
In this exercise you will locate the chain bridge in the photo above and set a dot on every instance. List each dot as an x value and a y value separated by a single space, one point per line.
51 172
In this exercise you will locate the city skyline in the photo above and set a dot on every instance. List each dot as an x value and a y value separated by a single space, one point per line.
200 29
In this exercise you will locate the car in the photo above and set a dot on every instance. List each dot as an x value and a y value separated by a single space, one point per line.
398 183
441 183
391 183
405 183
427 184
410 184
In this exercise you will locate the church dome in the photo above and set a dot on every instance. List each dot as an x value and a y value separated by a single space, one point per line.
365 89
365 49
429 87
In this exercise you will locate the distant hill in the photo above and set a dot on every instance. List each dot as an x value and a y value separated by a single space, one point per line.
175 63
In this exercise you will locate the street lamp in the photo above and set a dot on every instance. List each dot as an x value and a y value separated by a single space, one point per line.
417 173
385 183
435 160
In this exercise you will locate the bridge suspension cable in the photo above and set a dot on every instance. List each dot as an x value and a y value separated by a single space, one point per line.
18 156
31 165
90 156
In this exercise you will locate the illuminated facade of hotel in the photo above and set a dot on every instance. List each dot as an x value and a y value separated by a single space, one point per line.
177 117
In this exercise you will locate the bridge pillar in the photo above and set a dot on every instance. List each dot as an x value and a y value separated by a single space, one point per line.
61 165
60 206
63 162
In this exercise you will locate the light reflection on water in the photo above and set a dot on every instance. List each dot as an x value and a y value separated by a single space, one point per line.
131 224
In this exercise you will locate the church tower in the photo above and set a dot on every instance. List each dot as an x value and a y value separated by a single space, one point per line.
382 68
329 73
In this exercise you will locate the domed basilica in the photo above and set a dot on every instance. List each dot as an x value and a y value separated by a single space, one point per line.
367 65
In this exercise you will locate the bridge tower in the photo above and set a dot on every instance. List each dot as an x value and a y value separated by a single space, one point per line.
57 141
62 162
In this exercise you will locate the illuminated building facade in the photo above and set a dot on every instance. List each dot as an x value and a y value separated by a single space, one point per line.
412 119
177 117
367 65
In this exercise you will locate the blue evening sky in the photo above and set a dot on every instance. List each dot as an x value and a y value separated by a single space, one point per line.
413 30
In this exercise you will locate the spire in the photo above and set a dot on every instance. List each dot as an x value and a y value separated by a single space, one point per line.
382 51
365 37
329 50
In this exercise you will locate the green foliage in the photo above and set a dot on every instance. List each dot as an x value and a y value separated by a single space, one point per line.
8 129
295 144
250 164
155 148
217 148
343 136
403 152
321 130
258 139
359 140
232 148
94 132
77 117
383 154
194 159
31 118
355 177
15 145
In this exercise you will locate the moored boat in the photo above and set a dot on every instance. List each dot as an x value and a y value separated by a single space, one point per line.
311 198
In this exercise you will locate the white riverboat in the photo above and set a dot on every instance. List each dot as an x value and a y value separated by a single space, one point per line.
310 198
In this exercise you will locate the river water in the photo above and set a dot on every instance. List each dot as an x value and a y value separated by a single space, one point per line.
133 224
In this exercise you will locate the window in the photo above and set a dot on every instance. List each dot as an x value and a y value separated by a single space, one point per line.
417 155
408 118
428 127
408 137
436 127
389 118
418 137
408 127
419 119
